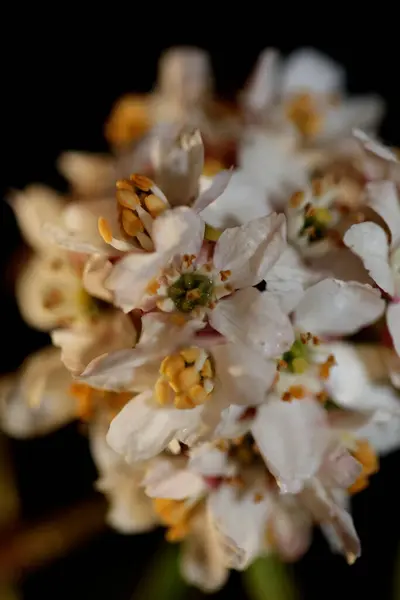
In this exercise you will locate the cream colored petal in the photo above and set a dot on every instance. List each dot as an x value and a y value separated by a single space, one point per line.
363 112
209 461
307 70
370 243
81 344
88 174
263 85
37 401
96 271
172 478
202 562
384 199
393 322
211 189
33 207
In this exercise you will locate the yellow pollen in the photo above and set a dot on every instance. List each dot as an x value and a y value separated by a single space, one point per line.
296 199
126 196
325 368
153 287
225 275
142 182
181 382
368 459
154 205
297 391
303 113
258 498
105 230
131 224
287 397
299 365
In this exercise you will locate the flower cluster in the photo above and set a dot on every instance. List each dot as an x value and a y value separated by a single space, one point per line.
204 286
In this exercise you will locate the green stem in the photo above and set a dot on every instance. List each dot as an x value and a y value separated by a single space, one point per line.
269 579
162 578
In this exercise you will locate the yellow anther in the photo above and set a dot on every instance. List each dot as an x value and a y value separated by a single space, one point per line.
325 368
299 365
207 371
131 224
225 274
153 287
163 392
190 355
297 391
302 111
258 498
297 199
198 394
142 182
154 205
105 230
126 196
368 459
182 401
172 365
189 378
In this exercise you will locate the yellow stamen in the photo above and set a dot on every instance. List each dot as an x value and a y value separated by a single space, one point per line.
162 392
182 401
154 205
105 230
302 111
366 456
297 391
188 378
296 199
153 287
206 371
172 365
190 355
142 182
131 224
126 196
325 368
198 394
258 498
225 275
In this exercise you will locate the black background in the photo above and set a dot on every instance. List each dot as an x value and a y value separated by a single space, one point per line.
57 91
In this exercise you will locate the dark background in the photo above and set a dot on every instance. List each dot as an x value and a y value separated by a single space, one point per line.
56 96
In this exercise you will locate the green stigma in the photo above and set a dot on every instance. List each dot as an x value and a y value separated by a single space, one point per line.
191 290
297 358
316 224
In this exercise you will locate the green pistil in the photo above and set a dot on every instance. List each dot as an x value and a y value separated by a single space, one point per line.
313 229
297 356
191 290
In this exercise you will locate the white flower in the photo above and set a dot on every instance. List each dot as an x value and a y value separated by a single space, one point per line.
130 510
381 258
182 277
305 91
36 399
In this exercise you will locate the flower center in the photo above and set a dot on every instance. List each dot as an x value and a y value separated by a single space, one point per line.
191 290
186 379
303 112
366 456
90 399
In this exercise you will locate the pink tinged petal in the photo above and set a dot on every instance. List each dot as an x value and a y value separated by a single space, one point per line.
172 479
307 70
339 468
88 173
241 202
292 438
142 429
254 319
202 561
213 191
371 145
288 278
384 199
393 323
359 111
291 530
262 87
241 524
96 271
232 424
208 461
131 275
370 243
333 307
251 250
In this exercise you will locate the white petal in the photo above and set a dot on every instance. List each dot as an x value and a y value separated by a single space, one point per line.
383 435
263 84
370 243
33 207
291 528
71 241
307 70
178 231
168 478
273 161
333 307
292 437
241 523
212 190
363 111
160 335
251 250
375 147
130 277
242 201
202 561
143 429
232 423
383 198
96 271
208 461
288 278
339 468
254 319
393 323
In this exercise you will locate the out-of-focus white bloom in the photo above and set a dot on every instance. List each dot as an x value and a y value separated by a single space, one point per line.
381 258
36 399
